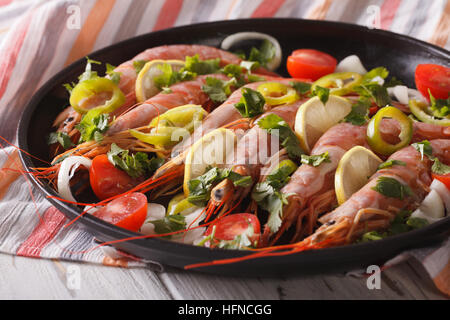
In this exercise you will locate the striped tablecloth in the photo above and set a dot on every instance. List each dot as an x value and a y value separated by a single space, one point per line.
40 37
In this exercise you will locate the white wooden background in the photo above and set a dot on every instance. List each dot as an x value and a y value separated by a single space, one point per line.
27 278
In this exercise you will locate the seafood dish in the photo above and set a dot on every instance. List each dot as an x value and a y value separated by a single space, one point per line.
212 147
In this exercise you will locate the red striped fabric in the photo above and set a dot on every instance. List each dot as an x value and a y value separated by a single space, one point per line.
49 225
5 2
267 8
387 13
168 14
9 58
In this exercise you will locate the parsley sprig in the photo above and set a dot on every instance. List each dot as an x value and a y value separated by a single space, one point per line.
135 165
200 187
274 124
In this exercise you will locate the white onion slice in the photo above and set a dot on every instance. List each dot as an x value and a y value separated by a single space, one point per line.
192 220
232 39
351 64
403 94
66 172
444 193
432 206
155 211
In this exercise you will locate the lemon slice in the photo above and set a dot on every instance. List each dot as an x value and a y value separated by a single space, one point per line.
314 118
145 83
354 170
213 149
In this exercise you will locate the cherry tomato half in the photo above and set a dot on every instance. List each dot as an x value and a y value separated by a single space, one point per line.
229 227
128 211
107 180
435 78
310 64
444 178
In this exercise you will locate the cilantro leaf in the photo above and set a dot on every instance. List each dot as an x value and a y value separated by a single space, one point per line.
315 160
251 104
302 88
60 137
276 125
390 163
88 73
138 65
199 67
134 165
268 196
440 107
200 187
392 82
360 113
440 168
392 188
264 54
322 93
374 91
217 89
271 200
92 125
424 148
170 223
114 76
373 75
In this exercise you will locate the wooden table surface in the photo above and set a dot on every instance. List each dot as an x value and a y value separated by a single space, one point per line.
27 278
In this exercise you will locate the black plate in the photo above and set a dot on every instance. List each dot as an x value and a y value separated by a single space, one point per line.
400 54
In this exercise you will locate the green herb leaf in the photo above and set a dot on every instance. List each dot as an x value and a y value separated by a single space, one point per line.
390 163
393 82
268 196
315 160
199 67
170 223
114 76
60 137
322 93
69 86
217 89
371 76
264 54
440 168
88 73
138 65
276 125
392 188
360 113
416 223
134 165
374 91
93 121
251 104
271 200
200 187
424 148
440 107
302 88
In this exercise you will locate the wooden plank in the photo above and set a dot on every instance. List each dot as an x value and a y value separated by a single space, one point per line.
25 278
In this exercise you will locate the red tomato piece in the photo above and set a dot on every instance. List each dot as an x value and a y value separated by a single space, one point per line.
107 180
444 178
229 227
435 78
310 64
128 211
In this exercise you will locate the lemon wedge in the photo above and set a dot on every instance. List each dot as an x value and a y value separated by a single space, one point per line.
214 149
145 81
314 118
354 170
